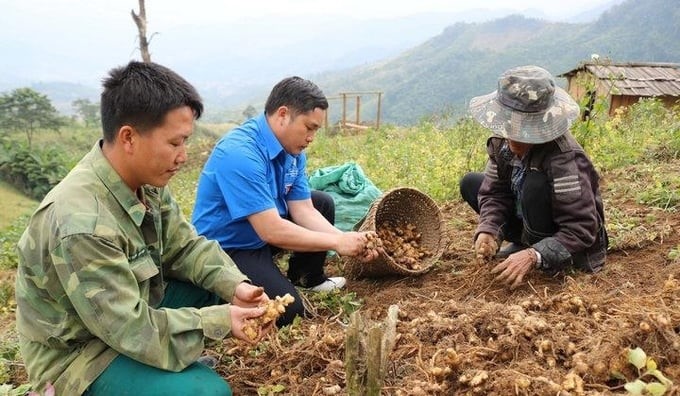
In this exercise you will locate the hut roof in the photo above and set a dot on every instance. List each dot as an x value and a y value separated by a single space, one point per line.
635 79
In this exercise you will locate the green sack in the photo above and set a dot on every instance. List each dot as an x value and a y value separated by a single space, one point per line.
351 190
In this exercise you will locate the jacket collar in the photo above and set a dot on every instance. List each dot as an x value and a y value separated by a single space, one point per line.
115 184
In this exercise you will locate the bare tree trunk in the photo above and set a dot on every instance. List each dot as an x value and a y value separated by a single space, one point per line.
140 21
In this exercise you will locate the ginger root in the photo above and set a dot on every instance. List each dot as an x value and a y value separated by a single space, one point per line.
402 242
273 309
373 241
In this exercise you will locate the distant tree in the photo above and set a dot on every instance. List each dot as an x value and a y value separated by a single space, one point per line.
140 21
27 110
88 111
249 112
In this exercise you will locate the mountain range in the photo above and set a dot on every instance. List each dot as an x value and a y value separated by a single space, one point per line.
465 60
423 64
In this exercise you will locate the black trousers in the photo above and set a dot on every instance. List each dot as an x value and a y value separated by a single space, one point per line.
537 221
304 268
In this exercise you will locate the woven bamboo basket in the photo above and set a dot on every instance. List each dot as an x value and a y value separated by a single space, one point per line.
398 206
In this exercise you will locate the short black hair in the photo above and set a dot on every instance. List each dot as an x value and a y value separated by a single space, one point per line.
141 94
298 94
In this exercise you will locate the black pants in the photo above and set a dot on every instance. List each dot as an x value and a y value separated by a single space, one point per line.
537 221
304 269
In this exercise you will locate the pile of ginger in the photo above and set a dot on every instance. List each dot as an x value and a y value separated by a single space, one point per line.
402 242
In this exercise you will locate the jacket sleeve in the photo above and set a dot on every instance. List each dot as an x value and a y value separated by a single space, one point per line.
495 196
574 209
103 287
193 258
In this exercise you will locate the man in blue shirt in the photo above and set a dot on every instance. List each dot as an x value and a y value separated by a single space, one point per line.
254 199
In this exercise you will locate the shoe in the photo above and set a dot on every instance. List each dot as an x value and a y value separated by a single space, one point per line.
209 361
330 284
509 249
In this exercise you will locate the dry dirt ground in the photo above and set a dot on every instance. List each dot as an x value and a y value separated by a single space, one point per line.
460 332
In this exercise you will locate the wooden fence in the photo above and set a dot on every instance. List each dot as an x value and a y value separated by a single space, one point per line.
356 122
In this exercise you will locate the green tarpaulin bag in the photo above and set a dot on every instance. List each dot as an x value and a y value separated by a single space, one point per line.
351 190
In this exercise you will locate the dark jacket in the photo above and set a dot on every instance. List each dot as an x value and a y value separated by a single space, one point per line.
570 186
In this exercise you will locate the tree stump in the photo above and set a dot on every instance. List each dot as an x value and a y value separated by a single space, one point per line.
367 346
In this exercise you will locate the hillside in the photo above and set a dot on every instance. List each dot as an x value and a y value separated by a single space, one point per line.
466 59
14 204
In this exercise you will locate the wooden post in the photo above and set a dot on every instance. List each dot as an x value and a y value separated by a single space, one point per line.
374 369
358 117
377 123
367 347
352 348
344 109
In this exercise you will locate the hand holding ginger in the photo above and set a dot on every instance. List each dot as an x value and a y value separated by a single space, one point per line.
272 310
485 247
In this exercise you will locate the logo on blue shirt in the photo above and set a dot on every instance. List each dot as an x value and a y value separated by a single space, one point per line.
290 176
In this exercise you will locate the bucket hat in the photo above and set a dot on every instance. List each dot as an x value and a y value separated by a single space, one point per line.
527 107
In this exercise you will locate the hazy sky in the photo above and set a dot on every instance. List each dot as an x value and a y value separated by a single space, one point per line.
168 13
218 10
79 39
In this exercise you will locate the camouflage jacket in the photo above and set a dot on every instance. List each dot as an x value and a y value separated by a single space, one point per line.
93 264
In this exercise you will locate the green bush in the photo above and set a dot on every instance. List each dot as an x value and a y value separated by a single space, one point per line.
642 132
32 171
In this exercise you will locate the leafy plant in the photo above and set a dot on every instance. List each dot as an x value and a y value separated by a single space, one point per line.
339 304
650 380
27 110
87 111
291 332
34 172
8 240
664 192
9 358
10 390
674 253
268 390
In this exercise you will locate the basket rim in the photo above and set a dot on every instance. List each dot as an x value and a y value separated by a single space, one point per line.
370 222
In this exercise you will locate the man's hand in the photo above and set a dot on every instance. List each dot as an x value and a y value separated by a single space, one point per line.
372 248
485 247
515 267
239 317
248 296
354 244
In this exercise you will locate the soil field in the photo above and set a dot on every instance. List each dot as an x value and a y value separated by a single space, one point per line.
459 332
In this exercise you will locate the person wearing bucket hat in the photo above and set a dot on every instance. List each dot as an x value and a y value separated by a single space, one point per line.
254 199
539 191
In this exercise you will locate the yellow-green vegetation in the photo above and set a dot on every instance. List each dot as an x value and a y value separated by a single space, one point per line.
427 157
650 380
15 204
18 208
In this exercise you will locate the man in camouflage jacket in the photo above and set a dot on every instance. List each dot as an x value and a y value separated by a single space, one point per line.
539 190
108 263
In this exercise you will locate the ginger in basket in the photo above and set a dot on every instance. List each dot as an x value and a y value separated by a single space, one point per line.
402 243
373 242
273 309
